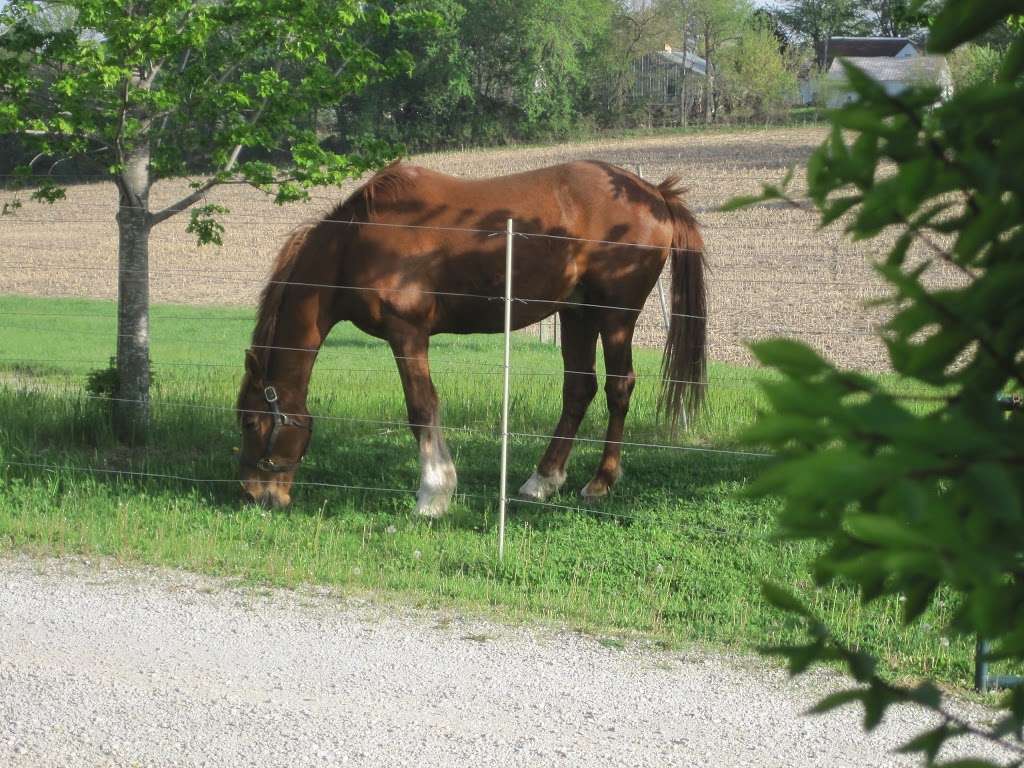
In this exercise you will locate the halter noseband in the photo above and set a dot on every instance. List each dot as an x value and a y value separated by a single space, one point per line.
281 419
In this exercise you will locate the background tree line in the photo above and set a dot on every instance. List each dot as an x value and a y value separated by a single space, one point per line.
499 71
535 70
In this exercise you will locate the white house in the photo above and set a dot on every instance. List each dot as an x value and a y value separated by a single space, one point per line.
869 47
883 48
895 75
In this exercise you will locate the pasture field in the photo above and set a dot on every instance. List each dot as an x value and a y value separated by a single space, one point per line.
771 270
677 553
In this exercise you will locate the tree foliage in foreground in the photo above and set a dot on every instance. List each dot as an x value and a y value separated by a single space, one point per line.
149 90
910 496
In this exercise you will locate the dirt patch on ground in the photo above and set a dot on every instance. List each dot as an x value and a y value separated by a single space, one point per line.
771 271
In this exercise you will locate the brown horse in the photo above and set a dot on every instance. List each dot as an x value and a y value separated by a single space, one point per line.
414 252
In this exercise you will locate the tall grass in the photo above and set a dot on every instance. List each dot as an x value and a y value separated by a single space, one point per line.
678 552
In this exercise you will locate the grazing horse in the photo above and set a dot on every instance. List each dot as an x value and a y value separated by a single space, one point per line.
414 252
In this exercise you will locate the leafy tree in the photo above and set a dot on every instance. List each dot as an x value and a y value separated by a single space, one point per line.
145 90
913 494
495 71
718 22
973 64
815 21
434 106
530 54
899 18
631 34
758 78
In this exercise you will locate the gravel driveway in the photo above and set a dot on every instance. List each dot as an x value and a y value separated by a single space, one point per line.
106 666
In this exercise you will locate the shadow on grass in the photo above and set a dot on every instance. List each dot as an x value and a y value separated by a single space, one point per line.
345 466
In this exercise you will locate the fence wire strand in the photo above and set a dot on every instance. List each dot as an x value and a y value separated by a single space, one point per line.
710 279
233 276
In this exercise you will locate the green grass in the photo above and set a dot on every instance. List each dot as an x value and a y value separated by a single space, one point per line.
678 553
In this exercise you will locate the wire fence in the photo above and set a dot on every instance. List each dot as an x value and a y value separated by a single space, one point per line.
505 368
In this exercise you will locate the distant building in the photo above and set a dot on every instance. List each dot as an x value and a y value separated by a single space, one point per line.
868 47
877 49
666 83
895 75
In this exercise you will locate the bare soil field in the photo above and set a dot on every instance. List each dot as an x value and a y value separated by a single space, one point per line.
771 270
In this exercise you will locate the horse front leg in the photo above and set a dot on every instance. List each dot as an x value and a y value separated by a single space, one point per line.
579 385
437 471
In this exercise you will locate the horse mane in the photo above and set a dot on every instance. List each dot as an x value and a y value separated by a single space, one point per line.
385 184
273 292
359 205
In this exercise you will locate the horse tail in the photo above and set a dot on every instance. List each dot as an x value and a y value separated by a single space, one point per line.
684 365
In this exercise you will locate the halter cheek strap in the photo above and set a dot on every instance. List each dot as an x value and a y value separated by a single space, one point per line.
281 419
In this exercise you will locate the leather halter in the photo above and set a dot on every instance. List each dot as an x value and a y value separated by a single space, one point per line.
281 419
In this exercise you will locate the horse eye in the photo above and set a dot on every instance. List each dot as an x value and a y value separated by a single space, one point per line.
250 423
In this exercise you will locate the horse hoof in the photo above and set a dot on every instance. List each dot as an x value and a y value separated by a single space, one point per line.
599 488
541 488
433 505
432 509
594 491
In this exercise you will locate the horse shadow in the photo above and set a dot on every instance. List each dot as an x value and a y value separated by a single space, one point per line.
351 466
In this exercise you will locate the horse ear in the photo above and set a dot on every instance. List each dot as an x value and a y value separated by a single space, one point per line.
252 365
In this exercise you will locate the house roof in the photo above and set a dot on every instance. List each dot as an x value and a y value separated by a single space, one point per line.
928 69
693 63
866 46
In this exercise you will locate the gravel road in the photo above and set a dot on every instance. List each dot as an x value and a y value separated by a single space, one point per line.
106 666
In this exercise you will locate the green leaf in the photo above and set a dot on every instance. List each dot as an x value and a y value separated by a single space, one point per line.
744 201
885 532
792 358
204 224
961 20
780 429
992 490
919 595
837 207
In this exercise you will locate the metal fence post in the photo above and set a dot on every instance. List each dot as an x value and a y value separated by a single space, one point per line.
503 497
983 681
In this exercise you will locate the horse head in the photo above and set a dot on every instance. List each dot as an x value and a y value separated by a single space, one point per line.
276 430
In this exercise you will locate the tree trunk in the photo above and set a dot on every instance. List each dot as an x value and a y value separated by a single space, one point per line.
131 408
683 94
709 91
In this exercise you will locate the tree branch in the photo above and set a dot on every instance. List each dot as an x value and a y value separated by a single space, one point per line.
190 199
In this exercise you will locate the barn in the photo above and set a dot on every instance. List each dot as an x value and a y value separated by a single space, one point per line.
667 85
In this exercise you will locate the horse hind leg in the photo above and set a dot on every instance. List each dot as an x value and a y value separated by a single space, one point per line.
617 340
579 385
438 479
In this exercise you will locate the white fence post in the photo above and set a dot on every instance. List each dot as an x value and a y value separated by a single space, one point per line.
661 286
503 497
664 302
